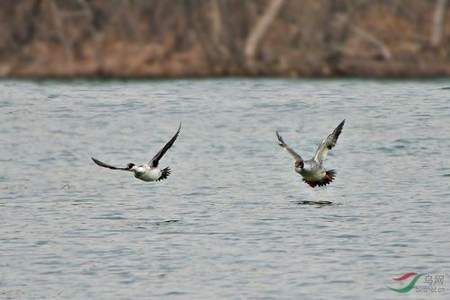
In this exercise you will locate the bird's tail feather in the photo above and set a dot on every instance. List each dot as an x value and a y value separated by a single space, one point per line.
327 179
164 173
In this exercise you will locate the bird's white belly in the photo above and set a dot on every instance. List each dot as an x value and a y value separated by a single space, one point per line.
312 175
149 175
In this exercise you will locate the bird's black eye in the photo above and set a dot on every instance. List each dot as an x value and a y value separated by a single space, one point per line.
130 165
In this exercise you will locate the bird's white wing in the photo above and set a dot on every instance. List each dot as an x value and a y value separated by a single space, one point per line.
287 148
328 144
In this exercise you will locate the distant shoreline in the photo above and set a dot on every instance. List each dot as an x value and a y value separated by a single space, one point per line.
208 77
197 39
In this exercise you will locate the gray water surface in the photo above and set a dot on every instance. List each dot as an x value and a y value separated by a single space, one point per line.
226 224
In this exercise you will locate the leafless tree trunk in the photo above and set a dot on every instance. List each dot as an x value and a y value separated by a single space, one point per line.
58 21
337 31
216 19
217 29
438 23
260 29
87 11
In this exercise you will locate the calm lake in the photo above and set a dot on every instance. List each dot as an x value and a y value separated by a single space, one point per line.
227 223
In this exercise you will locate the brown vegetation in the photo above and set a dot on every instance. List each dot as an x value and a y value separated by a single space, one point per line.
224 37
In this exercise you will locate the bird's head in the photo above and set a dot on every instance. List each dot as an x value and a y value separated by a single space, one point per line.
131 166
299 164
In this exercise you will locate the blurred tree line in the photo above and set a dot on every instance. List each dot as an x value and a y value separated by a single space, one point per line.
224 37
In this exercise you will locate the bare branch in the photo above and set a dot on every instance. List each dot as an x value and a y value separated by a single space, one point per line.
260 29
384 50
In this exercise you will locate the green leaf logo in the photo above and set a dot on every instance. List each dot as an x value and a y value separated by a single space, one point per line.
410 285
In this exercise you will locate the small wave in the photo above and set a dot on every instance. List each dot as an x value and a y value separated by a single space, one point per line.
320 203
110 218
166 222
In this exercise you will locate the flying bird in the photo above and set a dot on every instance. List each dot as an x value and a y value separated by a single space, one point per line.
149 171
312 170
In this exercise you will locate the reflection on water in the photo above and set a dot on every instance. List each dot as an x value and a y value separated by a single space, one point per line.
227 223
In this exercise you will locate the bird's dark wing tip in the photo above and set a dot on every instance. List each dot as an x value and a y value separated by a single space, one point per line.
336 133
155 160
105 165
178 131
280 139
100 163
